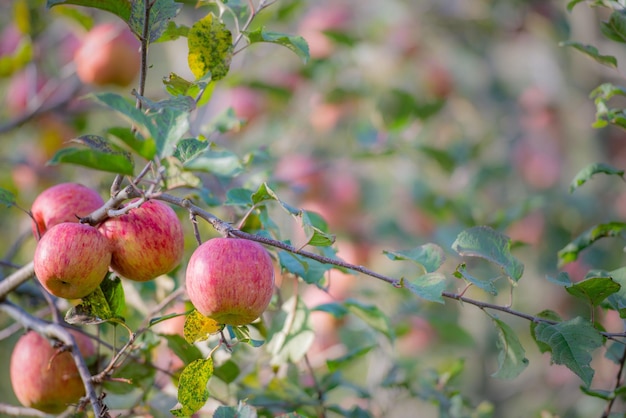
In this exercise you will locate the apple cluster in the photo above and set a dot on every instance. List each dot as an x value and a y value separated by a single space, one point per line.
72 259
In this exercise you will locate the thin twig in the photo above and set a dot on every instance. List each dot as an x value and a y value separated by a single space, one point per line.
618 383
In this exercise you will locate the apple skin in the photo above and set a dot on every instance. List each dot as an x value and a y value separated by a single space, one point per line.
146 242
64 202
71 260
230 280
109 55
43 378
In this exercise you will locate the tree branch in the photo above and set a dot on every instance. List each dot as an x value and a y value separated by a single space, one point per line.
12 281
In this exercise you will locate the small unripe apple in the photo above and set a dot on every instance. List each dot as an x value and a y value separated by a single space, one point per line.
64 202
109 54
230 280
44 378
147 241
71 260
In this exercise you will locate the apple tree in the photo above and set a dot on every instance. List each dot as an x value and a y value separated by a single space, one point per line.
289 208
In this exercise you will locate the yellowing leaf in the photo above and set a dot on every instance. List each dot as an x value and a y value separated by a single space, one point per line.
210 48
198 327
192 390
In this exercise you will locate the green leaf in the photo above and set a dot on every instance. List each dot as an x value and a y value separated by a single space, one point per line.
170 121
172 32
210 48
571 344
429 286
227 372
220 162
6 198
570 252
190 148
606 91
128 111
316 236
265 192
311 271
371 315
297 44
120 8
486 285
240 411
336 309
617 301
334 364
114 294
586 173
192 387
615 28
572 3
201 89
242 333
144 147
592 52
484 242
547 315
198 327
161 12
188 353
429 256
239 196
512 357
93 159
175 176
93 309
594 289
290 336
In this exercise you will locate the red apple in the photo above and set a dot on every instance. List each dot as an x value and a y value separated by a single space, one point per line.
147 242
64 202
109 54
230 280
44 378
71 260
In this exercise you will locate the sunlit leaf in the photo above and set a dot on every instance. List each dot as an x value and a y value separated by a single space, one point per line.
210 48
586 173
192 387
113 292
198 327
429 256
571 251
297 44
291 336
592 52
571 344
511 356
172 32
491 245
94 309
